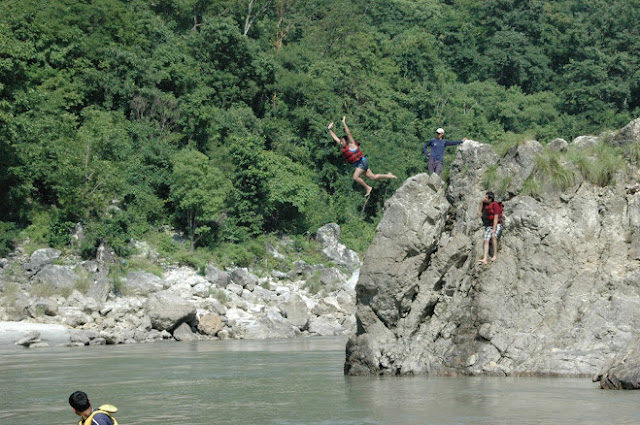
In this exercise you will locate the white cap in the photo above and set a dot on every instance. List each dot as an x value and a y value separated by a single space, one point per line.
440 130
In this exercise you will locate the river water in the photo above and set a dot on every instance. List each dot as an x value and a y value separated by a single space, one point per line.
281 382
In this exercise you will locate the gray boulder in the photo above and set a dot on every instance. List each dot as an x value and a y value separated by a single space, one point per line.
269 326
329 237
184 333
243 278
623 371
325 326
74 317
20 309
46 306
218 277
41 257
31 337
83 337
142 283
77 235
582 142
216 307
105 258
629 134
558 145
518 164
167 310
57 276
295 310
332 278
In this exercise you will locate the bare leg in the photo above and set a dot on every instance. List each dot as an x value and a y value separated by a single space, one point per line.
379 176
486 254
357 173
494 241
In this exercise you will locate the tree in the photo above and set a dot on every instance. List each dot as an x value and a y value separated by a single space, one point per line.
198 192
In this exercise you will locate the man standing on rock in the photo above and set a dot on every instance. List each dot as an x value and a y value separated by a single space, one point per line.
437 145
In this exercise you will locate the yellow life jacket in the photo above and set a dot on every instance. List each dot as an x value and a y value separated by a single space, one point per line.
106 409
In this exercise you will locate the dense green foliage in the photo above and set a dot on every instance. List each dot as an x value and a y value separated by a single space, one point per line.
211 115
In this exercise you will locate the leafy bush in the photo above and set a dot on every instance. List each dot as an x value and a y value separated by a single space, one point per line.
112 231
358 235
144 264
8 236
242 254
198 259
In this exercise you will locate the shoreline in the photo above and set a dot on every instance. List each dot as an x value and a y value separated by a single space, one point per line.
52 334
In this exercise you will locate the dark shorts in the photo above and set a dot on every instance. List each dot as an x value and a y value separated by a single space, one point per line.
363 164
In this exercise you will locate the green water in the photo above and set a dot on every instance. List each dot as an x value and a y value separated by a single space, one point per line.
281 382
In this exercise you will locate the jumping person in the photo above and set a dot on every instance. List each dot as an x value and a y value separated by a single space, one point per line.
437 145
81 405
353 155
491 213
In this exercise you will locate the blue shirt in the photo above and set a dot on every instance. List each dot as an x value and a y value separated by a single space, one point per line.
437 148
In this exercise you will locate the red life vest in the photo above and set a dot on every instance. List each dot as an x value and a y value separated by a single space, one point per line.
352 157
490 211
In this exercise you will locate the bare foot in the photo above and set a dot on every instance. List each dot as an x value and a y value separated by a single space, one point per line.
483 261
493 259
366 195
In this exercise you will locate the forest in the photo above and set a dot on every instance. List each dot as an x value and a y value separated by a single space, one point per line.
209 117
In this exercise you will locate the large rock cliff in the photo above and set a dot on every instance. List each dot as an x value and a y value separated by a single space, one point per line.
562 298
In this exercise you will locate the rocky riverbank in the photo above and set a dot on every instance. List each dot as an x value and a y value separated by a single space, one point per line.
45 302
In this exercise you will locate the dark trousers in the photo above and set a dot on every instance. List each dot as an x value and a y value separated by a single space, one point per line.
435 166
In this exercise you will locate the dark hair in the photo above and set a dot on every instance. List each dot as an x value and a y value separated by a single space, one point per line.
79 401
491 196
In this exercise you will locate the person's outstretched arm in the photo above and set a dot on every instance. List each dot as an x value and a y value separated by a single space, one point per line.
346 130
448 143
333 135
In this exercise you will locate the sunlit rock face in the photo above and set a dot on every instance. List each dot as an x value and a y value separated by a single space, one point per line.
562 298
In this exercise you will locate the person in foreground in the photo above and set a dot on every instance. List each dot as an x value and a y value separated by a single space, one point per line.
437 145
353 155
491 213
81 405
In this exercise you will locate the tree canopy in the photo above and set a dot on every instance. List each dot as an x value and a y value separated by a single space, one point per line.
210 116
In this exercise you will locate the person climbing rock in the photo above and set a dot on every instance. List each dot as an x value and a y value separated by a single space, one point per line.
491 214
